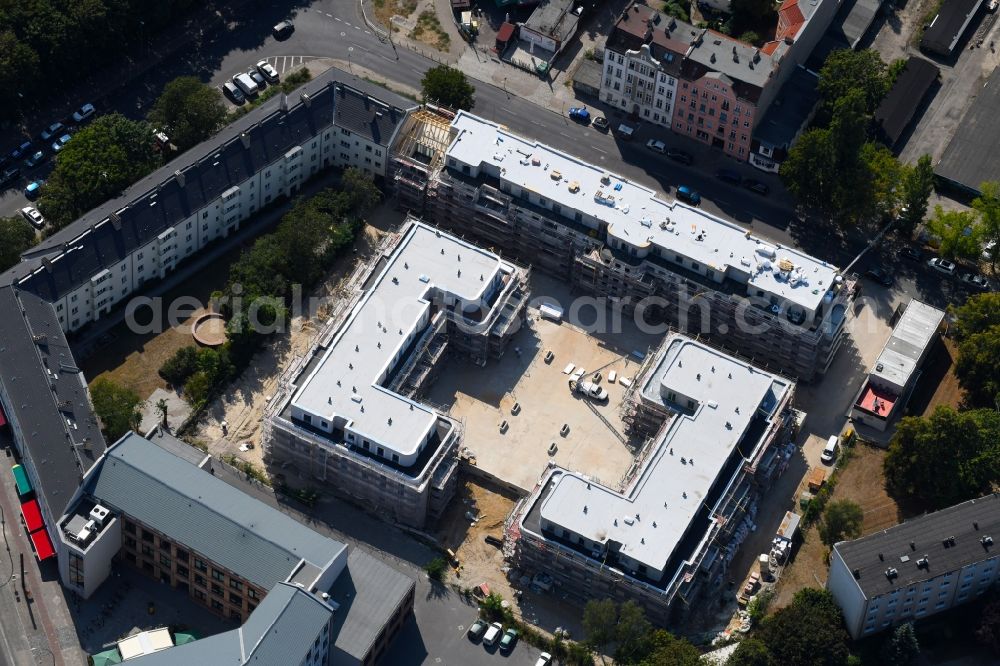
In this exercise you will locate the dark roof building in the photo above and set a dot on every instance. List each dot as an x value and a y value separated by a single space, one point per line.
899 106
926 564
971 157
947 28
785 119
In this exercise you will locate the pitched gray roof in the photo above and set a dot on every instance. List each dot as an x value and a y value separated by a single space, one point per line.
44 396
281 630
206 514
159 201
949 25
367 592
968 522
970 158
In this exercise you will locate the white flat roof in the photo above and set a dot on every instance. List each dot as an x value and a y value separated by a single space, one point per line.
345 383
905 347
637 216
652 517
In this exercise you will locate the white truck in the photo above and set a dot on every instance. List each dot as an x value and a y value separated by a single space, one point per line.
246 84
589 389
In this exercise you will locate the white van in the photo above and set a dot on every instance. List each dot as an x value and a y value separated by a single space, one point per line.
492 634
830 451
246 84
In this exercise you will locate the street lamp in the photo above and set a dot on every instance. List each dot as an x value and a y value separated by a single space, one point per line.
350 50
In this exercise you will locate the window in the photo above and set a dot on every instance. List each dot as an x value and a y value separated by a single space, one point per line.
75 569
218 575
129 527
216 605
147 536
252 593
146 550
235 584
200 565
182 555
164 561
199 580
182 571
235 599
217 590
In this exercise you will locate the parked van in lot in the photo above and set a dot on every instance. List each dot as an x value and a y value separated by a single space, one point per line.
246 84
830 450
233 93
492 634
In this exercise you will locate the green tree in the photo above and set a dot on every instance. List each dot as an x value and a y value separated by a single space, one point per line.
958 232
117 408
632 634
162 409
101 160
809 171
977 329
665 649
448 86
16 236
916 184
436 569
901 647
978 314
987 204
188 111
949 457
845 71
19 69
599 618
808 632
750 652
879 186
180 366
841 518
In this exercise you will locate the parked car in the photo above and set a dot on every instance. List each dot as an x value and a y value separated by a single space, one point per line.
589 389
60 143
230 90
881 275
84 113
32 215
544 659
657 146
680 156
911 253
580 114
492 634
686 194
729 176
757 187
246 84
53 130
268 71
601 123
21 151
283 29
33 189
35 159
509 640
477 629
10 174
943 265
625 132
975 281
257 77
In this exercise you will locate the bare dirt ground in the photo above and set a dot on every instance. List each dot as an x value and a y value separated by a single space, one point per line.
242 404
479 561
861 481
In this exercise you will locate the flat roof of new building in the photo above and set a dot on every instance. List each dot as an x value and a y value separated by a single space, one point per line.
190 505
899 106
912 334
635 215
346 383
651 518
970 158
554 19
949 25
902 546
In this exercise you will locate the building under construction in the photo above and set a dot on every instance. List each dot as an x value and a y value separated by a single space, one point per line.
612 238
348 415
721 433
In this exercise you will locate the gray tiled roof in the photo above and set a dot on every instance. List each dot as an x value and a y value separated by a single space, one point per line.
206 514
948 26
281 630
158 201
971 157
44 395
367 592
898 107
968 522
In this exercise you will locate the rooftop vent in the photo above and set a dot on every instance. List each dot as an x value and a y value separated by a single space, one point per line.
99 514
923 563
306 99
857 574
179 176
891 573
245 140
987 541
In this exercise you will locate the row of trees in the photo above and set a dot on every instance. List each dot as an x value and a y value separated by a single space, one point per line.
45 44
964 234
634 638
836 169
16 236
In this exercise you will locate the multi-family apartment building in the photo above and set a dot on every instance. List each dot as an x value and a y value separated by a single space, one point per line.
714 88
348 415
610 237
721 433
209 193
923 566
153 506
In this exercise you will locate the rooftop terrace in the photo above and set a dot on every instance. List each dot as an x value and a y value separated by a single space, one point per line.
635 216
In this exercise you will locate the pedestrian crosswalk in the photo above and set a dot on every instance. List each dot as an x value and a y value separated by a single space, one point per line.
288 63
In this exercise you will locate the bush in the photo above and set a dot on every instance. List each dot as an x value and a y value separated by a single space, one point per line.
436 569
677 10
180 366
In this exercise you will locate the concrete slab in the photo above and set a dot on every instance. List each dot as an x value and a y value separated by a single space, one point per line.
177 410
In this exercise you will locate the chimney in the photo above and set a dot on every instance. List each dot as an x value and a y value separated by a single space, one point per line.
283 103
179 177
306 99
116 221
245 140
47 263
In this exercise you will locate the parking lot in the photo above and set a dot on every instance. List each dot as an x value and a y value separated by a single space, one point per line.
483 398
